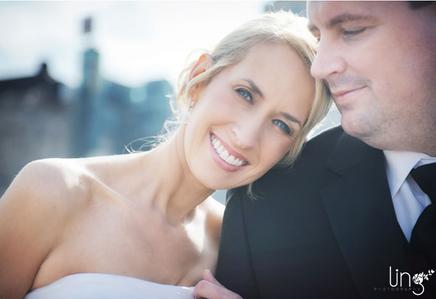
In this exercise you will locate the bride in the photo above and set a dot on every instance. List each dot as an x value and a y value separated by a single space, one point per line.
144 225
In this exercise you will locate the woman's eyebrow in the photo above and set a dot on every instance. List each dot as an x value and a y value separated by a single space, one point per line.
253 87
291 118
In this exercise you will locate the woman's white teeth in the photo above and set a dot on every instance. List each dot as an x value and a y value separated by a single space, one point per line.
224 154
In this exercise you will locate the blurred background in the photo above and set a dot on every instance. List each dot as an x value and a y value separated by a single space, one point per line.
88 78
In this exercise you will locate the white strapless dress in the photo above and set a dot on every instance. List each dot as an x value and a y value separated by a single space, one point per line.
108 286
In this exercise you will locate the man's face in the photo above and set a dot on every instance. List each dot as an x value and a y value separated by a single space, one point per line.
379 60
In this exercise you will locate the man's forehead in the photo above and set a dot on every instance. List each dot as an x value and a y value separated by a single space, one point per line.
321 13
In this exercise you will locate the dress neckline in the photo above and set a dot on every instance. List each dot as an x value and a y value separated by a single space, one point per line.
107 285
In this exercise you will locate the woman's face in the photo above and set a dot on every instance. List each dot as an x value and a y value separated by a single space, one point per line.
246 119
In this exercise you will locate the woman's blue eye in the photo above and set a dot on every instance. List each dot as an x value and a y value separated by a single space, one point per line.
283 126
245 94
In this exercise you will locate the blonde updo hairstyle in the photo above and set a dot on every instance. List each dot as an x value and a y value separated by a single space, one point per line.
281 28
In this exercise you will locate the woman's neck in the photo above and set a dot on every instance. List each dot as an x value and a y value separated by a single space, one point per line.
171 186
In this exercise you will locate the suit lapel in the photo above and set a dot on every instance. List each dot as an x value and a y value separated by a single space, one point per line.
360 210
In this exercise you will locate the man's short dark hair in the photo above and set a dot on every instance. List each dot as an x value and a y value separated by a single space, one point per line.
419 4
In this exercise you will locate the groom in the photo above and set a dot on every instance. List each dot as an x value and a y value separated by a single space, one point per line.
353 218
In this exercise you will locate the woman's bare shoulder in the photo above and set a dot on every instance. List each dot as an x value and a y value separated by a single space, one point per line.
61 185
70 177
51 179
33 212
44 197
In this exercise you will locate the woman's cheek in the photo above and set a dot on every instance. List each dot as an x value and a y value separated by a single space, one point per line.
226 104
282 146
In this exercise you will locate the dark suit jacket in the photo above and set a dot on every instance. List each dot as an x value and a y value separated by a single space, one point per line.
324 228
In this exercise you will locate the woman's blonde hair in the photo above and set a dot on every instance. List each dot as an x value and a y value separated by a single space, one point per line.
279 27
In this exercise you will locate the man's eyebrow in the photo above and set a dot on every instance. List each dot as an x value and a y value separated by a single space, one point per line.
254 87
291 118
347 17
342 18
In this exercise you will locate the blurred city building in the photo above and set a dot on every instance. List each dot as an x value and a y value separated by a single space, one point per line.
41 117
296 7
34 116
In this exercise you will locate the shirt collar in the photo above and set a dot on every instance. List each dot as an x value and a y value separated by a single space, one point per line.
399 165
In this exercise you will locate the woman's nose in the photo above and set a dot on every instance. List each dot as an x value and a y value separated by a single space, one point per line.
246 133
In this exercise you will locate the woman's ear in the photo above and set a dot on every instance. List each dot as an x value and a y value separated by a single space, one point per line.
203 63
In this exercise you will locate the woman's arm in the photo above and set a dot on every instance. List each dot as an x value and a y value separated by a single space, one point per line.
31 217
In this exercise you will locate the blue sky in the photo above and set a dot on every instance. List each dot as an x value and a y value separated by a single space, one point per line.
138 41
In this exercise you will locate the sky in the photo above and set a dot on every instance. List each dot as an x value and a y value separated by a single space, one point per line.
138 41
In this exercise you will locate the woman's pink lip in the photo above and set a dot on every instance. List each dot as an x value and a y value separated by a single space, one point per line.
230 150
223 164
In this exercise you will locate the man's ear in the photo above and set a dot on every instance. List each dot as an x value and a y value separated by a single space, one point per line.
203 63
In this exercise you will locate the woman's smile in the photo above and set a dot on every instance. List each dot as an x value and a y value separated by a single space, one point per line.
226 158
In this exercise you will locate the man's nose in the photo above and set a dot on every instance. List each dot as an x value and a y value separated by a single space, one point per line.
328 60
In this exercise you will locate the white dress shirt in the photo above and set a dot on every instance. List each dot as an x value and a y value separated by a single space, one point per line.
408 198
